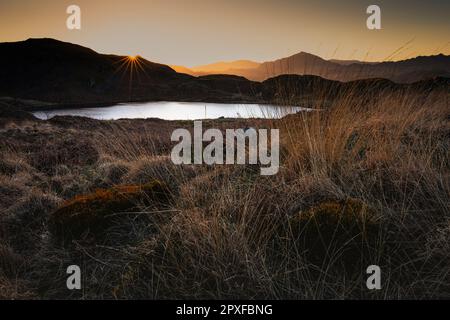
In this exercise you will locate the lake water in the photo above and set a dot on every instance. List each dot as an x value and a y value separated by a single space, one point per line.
173 111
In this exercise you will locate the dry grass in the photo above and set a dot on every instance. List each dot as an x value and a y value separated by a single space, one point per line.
365 181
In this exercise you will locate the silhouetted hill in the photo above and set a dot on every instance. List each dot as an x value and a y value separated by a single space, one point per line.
406 71
55 71
51 70
69 75
349 62
229 67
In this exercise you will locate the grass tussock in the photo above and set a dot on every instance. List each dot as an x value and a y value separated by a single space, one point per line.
91 214
347 229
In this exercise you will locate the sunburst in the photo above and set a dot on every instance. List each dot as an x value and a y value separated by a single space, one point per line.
131 66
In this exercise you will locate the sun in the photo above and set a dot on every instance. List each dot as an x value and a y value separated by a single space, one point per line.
131 64
132 67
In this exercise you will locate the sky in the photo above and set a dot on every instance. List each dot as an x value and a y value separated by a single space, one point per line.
196 32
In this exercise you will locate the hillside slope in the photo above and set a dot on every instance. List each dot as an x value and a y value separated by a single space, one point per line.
69 75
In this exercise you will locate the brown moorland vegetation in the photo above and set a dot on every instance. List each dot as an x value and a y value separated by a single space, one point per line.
365 181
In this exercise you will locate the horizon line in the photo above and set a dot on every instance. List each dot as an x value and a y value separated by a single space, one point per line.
230 61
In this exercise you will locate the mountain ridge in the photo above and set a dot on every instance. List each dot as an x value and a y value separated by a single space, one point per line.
302 63
70 75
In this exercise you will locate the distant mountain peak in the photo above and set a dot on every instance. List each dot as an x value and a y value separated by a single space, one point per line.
306 55
222 66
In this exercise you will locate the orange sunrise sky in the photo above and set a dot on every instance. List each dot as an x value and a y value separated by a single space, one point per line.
197 32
